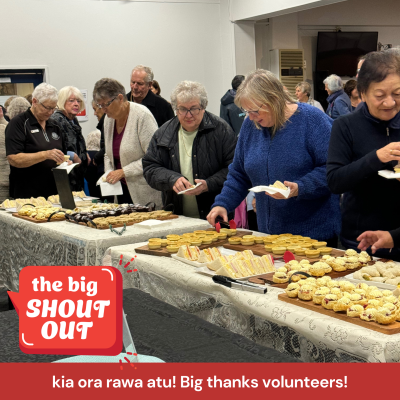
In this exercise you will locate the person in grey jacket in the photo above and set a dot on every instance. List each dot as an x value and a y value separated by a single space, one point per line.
338 101
195 147
229 111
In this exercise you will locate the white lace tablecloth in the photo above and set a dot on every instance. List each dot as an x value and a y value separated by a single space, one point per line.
304 334
25 243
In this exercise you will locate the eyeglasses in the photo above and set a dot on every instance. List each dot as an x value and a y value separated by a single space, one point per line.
193 111
48 108
107 104
74 100
252 112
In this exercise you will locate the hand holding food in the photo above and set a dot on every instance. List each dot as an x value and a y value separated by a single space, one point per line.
294 190
391 152
376 239
200 189
55 155
181 184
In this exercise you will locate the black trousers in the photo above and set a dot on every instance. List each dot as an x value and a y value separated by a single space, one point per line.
125 197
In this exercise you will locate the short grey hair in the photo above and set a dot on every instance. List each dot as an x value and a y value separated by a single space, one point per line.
18 106
334 83
149 72
107 88
188 91
44 92
305 88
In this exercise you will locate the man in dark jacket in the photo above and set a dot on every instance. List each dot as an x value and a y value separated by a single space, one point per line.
194 148
141 81
229 111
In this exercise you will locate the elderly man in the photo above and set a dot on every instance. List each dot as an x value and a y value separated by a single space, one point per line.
195 147
141 82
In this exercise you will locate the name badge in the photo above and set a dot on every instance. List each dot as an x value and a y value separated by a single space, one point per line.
35 131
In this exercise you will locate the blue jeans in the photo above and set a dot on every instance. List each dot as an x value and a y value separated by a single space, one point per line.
391 254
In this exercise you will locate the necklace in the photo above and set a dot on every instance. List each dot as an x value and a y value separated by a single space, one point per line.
184 146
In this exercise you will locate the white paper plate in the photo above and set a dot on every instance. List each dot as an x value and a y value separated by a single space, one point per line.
188 190
152 223
389 174
193 263
270 190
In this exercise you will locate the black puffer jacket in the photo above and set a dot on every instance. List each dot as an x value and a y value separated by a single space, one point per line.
213 150
230 112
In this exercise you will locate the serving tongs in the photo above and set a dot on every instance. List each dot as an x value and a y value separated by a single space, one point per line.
220 223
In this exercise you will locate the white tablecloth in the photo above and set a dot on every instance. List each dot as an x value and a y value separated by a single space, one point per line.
25 243
304 334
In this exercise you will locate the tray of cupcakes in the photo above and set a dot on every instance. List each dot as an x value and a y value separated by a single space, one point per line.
335 267
276 245
359 304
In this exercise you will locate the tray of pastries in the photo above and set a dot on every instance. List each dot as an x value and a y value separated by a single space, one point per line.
18 203
202 239
380 272
335 267
41 214
359 304
102 216
276 245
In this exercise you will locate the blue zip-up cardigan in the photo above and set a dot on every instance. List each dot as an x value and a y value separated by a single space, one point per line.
297 153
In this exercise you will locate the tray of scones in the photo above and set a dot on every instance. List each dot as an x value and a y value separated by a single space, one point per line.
360 304
333 266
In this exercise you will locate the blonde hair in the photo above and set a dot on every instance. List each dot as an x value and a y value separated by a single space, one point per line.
263 87
65 93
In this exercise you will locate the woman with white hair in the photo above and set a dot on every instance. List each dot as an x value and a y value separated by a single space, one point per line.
128 129
281 140
70 104
303 94
338 101
35 145
195 147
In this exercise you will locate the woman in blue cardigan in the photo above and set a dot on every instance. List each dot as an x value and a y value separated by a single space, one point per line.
285 141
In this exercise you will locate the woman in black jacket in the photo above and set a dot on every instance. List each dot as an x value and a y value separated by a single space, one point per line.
193 147
364 142
70 104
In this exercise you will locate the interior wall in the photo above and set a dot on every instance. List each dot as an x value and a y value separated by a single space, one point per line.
81 41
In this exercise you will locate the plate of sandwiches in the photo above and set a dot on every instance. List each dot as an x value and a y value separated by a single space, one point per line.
277 187
210 261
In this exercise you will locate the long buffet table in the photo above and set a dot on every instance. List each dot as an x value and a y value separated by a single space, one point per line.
63 243
303 334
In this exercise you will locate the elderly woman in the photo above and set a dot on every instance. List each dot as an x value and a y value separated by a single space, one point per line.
350 88
17 106
128 129
286 141
338 101
303 94
35 145
363 143
195 147
70 104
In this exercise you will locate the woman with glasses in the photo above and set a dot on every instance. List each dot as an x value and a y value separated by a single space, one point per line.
128 129
281 141
70 104
35 145
195 147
